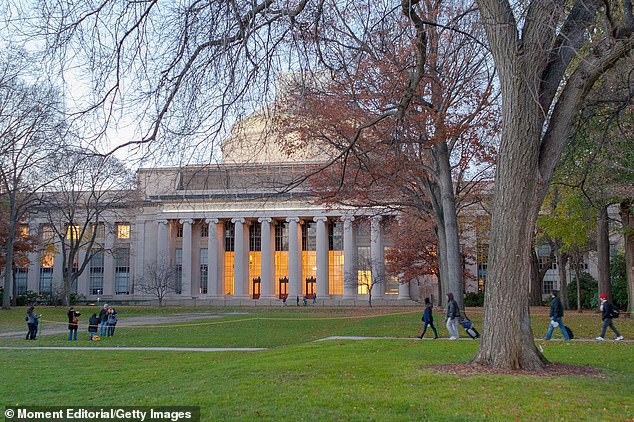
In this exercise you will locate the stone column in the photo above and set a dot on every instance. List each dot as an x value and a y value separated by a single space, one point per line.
267 259
108 260
213 281
162 242
349 260
139 254
403 291
322 257
186 285
294 273
240 270
377 258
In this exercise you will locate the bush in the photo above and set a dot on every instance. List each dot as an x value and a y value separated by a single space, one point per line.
589 292
28 298
472 299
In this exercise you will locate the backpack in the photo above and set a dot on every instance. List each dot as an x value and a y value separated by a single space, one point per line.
570 333
74 320
614 312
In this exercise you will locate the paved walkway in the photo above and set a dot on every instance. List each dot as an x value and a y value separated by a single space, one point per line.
461 338
170 349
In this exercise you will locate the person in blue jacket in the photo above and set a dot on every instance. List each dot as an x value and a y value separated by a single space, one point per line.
556 317
428 319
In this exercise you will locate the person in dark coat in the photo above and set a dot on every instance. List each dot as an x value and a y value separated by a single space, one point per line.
103 320
32 321
428 319
73 323
112 321
556 317
93 325
606 315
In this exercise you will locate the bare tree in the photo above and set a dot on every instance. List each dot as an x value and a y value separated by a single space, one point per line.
31 131
548 55
90 188
159 279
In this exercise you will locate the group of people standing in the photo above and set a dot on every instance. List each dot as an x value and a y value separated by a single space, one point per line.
105 323
32 322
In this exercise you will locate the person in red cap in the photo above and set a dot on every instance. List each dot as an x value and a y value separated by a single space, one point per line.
607 313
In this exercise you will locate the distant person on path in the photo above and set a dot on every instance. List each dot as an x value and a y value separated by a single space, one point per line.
452 314
103 320
32 321
314 298
73 323
608 312
93 325
428 319
112 321
556 317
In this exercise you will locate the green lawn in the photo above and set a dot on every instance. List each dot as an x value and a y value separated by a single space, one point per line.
298 379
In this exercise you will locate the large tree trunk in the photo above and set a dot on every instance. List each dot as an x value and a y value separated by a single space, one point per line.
562 264
507 339
8 273
442 262
453 283
603 252
578 259
628 227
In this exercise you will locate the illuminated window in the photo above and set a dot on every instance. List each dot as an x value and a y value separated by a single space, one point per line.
46 273
24 230
123 230
72 232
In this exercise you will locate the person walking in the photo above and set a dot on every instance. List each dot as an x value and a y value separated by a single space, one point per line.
608 312
452 314
112 321
556 317
93 325
428 319
103 320
32 321
73 323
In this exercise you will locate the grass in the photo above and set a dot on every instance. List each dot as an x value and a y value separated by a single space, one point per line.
298 379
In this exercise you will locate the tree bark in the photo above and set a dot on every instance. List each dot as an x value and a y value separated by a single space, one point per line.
603 252
628 228
536 281
8 274
562 264
453 283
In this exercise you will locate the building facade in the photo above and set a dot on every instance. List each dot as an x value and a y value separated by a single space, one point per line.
236 234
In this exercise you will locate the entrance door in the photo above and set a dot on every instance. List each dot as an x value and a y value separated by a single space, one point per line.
311 287
256 287
283 288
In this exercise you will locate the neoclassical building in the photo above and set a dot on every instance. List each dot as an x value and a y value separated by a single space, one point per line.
234 235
